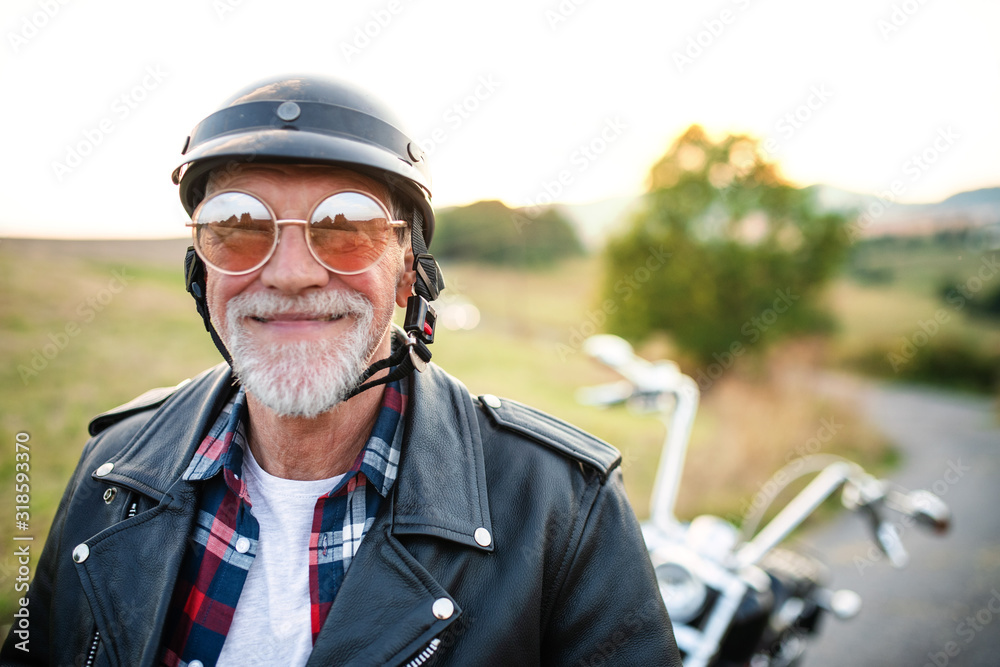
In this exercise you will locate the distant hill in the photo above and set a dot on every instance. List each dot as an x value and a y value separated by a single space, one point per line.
984 196
966 210
974 209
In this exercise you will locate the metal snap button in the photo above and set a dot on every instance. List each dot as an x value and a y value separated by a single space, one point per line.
483 537
443 608
105 469
80 553
492 401
110 494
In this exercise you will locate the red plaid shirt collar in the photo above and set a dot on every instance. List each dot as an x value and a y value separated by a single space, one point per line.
378 461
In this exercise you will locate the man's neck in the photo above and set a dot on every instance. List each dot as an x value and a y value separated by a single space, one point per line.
320 447
317 448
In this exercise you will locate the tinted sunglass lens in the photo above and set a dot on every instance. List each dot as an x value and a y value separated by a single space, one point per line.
234 231
349 231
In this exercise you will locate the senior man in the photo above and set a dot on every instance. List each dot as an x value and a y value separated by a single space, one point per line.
327 496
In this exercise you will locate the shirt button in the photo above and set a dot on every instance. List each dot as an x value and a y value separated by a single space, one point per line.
196 663
243 545
443 608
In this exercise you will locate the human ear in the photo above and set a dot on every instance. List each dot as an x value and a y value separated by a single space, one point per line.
407 277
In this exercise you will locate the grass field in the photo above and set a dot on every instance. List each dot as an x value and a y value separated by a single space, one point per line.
916 321
88 326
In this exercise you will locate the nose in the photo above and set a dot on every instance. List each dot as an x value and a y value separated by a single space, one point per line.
292 268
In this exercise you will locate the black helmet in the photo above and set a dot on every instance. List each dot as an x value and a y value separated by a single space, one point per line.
307 119
313 120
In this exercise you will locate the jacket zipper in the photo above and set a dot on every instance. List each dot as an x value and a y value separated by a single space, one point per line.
96 641
426 654
92 654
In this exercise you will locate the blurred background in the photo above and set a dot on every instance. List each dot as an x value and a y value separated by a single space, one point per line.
797 202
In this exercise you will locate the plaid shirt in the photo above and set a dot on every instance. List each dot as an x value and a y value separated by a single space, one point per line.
222 546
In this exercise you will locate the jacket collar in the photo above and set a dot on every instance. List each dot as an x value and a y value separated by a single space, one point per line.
159 454
440 491
440 488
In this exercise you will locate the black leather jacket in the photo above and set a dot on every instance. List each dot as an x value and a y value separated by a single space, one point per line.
563 580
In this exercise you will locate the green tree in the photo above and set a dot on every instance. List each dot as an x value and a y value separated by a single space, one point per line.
489 231
748 252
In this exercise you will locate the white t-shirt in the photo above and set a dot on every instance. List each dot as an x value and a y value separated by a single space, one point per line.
271 625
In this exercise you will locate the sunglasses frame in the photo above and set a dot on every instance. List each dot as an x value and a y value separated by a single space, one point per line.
278 222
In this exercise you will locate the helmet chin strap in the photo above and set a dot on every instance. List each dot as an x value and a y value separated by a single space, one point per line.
194 280
418 323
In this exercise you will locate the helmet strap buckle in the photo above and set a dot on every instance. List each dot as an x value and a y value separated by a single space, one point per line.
420 321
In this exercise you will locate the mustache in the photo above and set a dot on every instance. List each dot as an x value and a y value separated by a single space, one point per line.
314 304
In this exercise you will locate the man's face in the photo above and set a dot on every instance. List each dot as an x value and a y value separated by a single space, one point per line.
299 334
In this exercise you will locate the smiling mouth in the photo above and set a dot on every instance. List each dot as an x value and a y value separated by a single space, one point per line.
306 318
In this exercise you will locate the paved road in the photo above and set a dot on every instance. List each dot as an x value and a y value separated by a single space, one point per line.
948 599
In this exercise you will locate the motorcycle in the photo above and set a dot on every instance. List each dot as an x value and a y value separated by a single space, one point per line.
734 596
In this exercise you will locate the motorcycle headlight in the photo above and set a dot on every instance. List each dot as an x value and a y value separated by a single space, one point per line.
683 593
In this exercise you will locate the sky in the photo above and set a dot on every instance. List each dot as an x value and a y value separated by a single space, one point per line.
526 101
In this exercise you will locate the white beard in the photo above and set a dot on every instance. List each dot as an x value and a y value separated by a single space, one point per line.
304 378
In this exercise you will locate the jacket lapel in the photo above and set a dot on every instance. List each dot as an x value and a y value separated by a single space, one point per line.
383 613
384 610
147 549
150 546
441 487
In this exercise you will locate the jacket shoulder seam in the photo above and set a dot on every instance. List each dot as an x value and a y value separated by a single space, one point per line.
553 433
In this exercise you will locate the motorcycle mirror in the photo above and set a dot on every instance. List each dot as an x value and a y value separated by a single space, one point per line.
609 350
